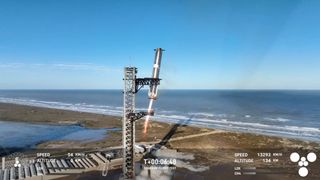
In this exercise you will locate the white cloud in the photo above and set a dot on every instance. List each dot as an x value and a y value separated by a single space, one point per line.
62 66
84 66
11 65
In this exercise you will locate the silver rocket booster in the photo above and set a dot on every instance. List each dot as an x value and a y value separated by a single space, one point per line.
153 92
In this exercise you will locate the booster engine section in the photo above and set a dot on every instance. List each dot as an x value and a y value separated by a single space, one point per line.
153 92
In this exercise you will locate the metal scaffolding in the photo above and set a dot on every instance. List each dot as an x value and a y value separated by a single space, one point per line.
128 136
131 86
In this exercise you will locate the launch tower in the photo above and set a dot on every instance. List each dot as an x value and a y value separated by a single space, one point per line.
131 86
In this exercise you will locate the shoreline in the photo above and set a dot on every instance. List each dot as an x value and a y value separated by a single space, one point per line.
35 114
50 116
210 147
42 115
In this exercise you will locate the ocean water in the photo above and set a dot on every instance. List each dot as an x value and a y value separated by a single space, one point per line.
284 113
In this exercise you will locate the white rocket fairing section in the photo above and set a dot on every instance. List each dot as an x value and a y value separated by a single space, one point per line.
153 92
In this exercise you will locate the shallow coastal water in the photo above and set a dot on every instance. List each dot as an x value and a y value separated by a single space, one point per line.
22 135
285 113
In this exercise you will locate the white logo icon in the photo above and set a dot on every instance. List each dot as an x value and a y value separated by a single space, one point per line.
303 162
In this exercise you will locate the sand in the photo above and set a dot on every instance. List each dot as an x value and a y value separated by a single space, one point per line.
211 148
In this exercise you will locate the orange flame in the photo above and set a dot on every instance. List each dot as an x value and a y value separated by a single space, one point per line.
146 122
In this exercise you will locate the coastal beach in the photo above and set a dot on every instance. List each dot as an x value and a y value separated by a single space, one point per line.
211 148
282 113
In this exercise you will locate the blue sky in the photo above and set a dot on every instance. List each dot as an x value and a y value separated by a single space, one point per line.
235 44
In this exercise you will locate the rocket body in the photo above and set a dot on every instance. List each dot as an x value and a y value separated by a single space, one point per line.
153 92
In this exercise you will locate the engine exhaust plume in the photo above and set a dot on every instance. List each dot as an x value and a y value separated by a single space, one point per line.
146 122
